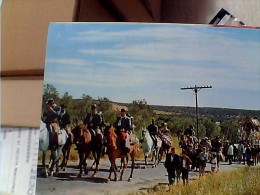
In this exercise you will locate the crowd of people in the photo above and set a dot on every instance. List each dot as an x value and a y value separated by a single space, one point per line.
196 155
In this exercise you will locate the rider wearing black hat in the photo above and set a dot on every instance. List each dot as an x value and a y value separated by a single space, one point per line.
93 120
51 120
123 126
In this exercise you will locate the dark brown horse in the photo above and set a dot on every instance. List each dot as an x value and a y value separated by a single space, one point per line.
66 150
115 152
86 143
84 148
164 149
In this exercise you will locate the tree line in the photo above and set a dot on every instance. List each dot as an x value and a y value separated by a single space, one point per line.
142 114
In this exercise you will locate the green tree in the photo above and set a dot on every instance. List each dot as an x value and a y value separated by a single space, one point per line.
105 106
81 107
141 112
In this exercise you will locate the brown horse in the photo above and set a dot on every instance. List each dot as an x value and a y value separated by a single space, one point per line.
115 152
66 151
84 145
164 149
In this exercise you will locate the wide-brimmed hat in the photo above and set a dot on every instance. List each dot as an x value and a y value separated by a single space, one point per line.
94 106
50 100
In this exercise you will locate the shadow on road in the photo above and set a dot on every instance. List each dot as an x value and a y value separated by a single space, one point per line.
71 177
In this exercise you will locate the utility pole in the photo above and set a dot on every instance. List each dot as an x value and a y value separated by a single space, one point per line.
196 89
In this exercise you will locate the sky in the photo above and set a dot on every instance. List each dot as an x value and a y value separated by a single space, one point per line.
133 61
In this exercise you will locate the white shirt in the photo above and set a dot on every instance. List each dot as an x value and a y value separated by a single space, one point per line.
230 150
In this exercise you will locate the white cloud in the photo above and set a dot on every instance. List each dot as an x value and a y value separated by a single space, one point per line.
66 61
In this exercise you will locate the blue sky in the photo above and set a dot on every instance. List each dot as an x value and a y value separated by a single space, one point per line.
131 61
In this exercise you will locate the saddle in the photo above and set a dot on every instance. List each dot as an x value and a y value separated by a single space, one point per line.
123 142
53 135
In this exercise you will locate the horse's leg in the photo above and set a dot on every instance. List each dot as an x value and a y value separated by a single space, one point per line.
123 169
52 161
160 155
58 152
98 154
110 171
145 159
94 164
62 165
132 168
85 161
43 163
80 163
67 158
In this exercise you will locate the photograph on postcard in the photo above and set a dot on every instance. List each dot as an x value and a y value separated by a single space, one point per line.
119 98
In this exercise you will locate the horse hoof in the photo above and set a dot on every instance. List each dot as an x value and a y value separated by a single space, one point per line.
94 175
108 180
64 169
51 173
130 179
79 176
121 179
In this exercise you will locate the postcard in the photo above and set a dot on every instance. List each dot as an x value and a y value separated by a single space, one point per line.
96 72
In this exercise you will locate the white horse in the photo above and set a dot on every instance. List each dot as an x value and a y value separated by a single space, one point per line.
55 152
148 147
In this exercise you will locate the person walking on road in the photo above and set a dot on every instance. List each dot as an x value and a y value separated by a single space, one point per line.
230 153
203 158
172 163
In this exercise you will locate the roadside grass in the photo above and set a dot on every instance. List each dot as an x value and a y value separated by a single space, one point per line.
243 181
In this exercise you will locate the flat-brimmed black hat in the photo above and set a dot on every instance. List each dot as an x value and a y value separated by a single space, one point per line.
50 100
94 106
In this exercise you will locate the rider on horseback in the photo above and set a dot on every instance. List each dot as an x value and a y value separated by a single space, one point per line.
94 121
64 120
51 120
123 129
153 131
164 134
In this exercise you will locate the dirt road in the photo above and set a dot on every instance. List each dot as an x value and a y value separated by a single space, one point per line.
67 183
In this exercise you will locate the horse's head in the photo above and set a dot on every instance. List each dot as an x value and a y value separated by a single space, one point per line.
81 132
144 133
111 137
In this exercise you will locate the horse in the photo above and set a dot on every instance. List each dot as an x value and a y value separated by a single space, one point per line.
83 140
66 151
115 152
148 147
97 147
55 151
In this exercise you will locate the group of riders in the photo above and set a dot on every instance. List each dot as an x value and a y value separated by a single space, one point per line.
57 118
194 153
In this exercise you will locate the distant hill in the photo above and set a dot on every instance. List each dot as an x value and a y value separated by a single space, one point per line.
215 113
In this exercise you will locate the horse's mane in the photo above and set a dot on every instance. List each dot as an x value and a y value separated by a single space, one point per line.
112 137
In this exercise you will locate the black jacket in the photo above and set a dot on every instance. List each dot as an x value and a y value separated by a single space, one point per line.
93 121
125 124
172 165
64 120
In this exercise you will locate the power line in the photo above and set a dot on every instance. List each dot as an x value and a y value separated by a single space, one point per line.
196 89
